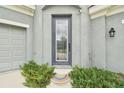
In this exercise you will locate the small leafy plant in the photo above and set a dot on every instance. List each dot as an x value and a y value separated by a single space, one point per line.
37 76
94 78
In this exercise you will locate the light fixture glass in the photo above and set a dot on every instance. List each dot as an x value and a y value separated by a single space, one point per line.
112 32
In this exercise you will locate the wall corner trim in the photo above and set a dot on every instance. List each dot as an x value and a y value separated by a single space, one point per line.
13 23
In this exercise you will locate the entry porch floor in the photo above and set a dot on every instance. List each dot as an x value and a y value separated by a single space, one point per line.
14 79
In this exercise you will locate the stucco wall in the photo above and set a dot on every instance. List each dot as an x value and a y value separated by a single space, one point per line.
107 52
98 42
115 45
47 35
80 33
22 18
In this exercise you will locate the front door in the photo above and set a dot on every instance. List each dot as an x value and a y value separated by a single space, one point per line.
61 40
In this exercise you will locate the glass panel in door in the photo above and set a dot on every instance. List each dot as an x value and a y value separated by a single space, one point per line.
62 40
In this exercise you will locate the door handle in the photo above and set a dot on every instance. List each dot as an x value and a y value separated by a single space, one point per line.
69 47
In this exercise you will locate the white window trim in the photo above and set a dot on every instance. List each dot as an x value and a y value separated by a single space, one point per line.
13 23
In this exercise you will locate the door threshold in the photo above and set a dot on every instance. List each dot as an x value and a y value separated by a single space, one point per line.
62 66
62 71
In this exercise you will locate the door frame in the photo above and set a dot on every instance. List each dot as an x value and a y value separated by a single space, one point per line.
69 16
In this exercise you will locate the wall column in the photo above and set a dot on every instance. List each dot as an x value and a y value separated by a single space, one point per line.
38 35
85 37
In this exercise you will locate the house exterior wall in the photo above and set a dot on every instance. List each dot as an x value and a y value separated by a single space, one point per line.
98 34
80 33
115 45
90 46
107 52
85 38
47 32
20 18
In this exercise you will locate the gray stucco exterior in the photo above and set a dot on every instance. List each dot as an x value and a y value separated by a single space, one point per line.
91 44
18 17
21 18
115 46
80 33
107 52
98 34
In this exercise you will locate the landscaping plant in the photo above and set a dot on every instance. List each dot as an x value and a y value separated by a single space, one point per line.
95 78
37 76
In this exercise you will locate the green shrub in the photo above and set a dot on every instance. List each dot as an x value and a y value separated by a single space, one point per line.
94 78
37 76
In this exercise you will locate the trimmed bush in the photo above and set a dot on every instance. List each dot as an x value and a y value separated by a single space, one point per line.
94 78
37 76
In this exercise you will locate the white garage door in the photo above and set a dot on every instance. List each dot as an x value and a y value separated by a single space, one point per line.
12 47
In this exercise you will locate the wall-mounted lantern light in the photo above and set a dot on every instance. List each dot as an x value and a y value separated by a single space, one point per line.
112 32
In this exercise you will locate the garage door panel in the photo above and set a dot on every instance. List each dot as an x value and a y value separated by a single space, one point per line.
19 58
18 42
5 66
4 31
4 53
4 41
18 32
17 61
18 48
16 64
2 36
20 37
5 59
12 47
4 48
18 53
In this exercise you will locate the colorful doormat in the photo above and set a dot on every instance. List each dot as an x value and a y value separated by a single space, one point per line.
60 79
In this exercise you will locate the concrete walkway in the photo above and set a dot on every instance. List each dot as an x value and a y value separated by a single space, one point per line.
11 79
14 79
